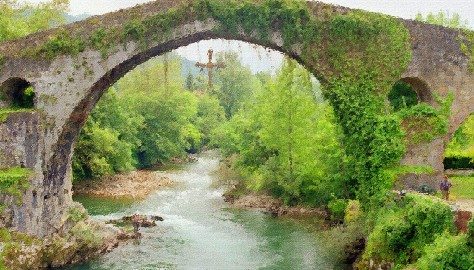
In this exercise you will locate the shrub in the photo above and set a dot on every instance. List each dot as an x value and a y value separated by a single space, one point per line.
401 233
62 43
77 214
353 211
337 208
470 234
85 235
448 252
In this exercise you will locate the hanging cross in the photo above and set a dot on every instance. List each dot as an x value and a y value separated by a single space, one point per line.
210 66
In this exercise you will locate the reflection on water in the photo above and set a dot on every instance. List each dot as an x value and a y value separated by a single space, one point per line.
201 232
101 206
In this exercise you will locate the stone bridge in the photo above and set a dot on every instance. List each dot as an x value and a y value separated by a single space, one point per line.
71 67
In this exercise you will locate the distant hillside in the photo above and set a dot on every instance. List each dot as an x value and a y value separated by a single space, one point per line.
188 66
75 18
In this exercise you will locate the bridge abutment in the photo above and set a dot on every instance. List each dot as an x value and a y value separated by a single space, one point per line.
29 206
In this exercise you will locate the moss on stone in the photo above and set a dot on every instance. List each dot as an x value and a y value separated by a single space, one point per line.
467 47
21 251
61 43
356 55
6 112
14 181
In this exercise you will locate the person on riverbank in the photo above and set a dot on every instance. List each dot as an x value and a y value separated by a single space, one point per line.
445 186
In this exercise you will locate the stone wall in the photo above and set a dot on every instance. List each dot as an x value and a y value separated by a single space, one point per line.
38 211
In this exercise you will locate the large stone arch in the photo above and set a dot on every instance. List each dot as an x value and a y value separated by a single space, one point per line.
69 82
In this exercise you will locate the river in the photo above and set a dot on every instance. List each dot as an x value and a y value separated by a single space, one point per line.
200 231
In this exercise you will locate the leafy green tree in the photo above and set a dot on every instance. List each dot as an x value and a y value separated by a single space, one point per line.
444 19
190 84
300 132
107 142
17 20
235 83
287 142
167 109
144 119
210 115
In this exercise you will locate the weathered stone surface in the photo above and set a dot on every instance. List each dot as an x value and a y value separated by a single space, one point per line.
68 87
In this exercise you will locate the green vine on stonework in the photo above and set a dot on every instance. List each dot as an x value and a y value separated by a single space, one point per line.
100 42
467 47
61 44
368 52
423 123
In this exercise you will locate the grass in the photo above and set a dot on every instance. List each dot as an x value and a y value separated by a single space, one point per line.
463 187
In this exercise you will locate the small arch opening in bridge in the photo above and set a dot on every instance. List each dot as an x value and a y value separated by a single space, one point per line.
17 93
408 92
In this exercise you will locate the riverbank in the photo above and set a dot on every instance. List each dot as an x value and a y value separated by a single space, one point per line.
271 205
79 239
197 221
135 185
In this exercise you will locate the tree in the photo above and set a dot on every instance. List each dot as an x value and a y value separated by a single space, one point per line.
17 20
287 142
107 141
190 85
139 122
444 19
301 133
210 115
234 83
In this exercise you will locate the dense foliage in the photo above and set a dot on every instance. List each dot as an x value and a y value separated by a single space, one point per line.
403 229
402 96
143 120
460 151
17 20
357 54
449 252
286 141
234 83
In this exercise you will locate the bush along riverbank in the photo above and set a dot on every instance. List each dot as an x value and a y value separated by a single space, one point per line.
412 231
79 240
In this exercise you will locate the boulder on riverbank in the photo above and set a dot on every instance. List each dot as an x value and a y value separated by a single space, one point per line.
141 220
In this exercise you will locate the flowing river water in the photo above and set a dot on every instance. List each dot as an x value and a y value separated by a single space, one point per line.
201 231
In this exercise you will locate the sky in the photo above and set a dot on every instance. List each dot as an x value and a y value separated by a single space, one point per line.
258 58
